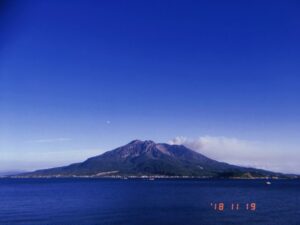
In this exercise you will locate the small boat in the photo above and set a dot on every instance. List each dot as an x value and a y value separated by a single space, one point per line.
268 182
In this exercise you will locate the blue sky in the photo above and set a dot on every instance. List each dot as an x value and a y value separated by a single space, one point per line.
79 79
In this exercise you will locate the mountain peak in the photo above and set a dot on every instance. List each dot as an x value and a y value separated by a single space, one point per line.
137 141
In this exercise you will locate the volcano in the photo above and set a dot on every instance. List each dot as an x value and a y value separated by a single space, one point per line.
147 158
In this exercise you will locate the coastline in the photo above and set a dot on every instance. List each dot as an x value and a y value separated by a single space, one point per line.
145 177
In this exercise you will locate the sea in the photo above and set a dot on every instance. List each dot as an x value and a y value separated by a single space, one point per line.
154 202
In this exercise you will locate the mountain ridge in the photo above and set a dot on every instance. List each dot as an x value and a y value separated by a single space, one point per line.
147 158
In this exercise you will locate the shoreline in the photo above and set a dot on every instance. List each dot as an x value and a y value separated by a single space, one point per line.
150 177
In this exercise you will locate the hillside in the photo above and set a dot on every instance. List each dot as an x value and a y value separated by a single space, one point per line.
147 158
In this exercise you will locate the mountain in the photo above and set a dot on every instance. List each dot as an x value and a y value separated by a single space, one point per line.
147 158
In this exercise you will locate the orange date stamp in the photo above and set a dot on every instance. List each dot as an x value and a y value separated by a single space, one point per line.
221 206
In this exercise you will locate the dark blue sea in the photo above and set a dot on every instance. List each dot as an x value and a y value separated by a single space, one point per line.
142 202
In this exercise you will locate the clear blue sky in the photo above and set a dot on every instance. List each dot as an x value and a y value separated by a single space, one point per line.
82 77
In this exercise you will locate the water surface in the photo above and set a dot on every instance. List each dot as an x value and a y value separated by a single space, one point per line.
143 202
